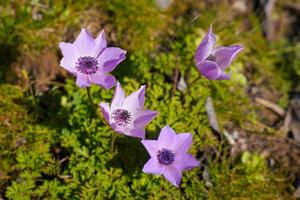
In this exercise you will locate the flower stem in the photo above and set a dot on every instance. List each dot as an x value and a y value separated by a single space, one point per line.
91 100
112 144
191 83
195 80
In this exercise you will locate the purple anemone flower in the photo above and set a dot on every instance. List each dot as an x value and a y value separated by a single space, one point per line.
127 114
212 62
90 60
169 155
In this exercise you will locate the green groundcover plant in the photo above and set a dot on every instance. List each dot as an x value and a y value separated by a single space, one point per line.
63 145
89 59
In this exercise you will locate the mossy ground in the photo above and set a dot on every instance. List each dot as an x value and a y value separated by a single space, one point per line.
53 146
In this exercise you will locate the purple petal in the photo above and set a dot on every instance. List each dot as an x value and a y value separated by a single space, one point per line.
135 101
143 118
185 161
209 69
206 46
85 43
105 110
100 44
166 137
224 76
70 56
104 80
152 167
110 58
139 133
151 146
182 142
224 55
82 80
173 175
118 98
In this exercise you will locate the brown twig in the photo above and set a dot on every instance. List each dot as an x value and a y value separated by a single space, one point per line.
275 108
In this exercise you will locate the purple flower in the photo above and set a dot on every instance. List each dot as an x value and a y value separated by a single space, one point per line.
90 60
212 62
169 155
126 114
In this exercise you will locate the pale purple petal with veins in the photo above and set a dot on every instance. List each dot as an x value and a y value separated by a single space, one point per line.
166 137
70 56
110 58
135 101
186 161
209 69
224 76
82 80
151 146
105 80
136 132
224 55
100 44
85 43
118 98
182 142
206 46
173 175
143 118
152 167
105 110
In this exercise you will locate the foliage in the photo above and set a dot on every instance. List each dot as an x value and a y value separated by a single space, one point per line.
54 146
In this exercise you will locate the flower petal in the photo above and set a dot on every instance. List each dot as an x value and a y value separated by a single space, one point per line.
118 98
104 80
206 46
105 110
182 142
173 175
209 69
166 137
224 76
152 167
143 118
185 161
82 80
151 146
139 133
70 56
135 101
100 44
224 55
85 43
110 58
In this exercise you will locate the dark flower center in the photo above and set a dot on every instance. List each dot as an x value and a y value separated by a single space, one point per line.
122 117
212 58
87 65
165 157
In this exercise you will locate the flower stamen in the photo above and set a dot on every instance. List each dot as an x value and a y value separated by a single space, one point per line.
87 65
122 117
165 157
211 57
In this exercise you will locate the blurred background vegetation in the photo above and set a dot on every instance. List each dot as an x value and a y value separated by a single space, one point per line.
52 145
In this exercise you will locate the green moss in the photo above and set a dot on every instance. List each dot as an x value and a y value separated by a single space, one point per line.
54 147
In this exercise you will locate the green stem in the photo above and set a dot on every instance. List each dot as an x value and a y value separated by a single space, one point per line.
195 80
191 83
112 144
91 100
